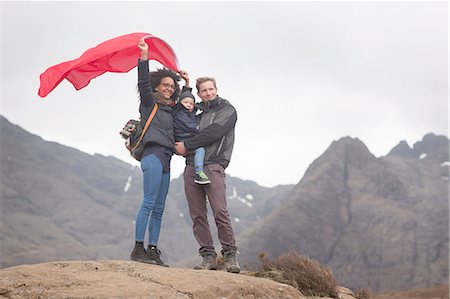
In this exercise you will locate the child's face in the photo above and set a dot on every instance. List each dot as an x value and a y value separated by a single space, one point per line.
188 103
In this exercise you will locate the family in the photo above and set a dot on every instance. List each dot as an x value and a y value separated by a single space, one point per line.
205 140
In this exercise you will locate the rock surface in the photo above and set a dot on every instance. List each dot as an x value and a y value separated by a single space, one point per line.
127 279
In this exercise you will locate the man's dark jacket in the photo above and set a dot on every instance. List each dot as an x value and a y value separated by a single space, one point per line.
216 133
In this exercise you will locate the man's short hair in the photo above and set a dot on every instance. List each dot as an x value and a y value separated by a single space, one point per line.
205 79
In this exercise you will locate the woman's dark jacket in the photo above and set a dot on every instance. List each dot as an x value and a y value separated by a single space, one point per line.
160 132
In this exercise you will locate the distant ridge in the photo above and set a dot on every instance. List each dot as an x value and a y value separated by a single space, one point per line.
431 145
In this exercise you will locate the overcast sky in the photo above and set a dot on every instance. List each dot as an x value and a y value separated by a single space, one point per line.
300 74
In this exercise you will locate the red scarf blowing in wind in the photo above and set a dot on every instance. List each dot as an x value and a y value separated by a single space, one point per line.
118 55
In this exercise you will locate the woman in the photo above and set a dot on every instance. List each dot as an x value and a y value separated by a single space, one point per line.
156 87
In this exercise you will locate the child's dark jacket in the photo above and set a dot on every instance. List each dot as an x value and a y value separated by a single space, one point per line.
185 123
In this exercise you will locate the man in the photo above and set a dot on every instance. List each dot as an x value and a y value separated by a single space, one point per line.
216 134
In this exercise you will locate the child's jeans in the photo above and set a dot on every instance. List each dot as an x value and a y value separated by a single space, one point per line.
199 158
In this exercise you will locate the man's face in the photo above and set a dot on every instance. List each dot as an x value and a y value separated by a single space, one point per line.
207 91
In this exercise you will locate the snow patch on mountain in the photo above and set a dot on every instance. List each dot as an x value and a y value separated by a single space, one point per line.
244 200
127 184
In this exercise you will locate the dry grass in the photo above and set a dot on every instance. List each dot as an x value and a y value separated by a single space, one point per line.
303 273
364 293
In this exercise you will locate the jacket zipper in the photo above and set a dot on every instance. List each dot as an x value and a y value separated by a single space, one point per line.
220 145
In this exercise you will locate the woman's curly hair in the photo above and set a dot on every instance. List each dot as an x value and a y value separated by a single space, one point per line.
159 74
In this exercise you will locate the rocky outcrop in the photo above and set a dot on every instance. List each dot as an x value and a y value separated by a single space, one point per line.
123 279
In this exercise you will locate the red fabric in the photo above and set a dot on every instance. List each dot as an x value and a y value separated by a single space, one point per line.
117 55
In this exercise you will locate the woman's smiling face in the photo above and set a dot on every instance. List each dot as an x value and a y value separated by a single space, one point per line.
166 88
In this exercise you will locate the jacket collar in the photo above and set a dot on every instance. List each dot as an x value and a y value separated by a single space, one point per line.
165 107
212 103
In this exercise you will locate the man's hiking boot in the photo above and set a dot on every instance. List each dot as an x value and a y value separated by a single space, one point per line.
230 260
201 178
209 261
139 255
154 254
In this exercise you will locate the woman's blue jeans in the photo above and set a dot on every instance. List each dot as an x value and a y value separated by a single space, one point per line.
156 186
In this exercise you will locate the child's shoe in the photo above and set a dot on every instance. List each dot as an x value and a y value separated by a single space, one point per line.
201 178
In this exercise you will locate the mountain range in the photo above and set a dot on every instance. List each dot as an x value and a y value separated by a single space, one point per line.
376 222
381 223
58 203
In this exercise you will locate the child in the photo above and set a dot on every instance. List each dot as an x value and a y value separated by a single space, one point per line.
185 125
